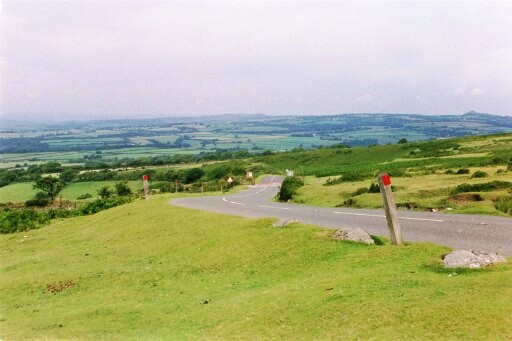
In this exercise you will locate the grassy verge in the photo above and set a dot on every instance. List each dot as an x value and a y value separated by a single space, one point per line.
417 190
147 271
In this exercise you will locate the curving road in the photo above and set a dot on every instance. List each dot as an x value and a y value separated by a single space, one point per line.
458 231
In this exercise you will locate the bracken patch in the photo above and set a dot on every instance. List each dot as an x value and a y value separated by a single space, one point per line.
59 286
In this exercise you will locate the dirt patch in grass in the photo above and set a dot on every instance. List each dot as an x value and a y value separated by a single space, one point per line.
465 198
59 286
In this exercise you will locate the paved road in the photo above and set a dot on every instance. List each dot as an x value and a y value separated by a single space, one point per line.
455 230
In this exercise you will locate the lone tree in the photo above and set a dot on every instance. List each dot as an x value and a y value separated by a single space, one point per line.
122 189
50 185
104 192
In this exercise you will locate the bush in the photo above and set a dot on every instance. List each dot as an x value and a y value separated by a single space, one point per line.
349 203
483 187
332 182
479 174
37 202
360 191
12 221
22 220
504 204
41 199
164 187
289 188
374 188
103 204
84 196
463 171
449 171
122 189
192 175
105 192
353 176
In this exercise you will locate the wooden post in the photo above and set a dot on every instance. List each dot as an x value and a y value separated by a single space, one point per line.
146 187
390 208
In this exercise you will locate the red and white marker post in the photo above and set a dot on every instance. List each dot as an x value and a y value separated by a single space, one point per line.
389 206
145 182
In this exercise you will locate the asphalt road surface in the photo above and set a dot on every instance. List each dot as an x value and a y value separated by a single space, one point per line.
469 232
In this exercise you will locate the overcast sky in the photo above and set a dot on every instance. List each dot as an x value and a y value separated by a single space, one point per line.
98 59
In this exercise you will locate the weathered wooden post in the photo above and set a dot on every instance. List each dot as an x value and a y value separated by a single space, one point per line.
249 177
390 208
146 187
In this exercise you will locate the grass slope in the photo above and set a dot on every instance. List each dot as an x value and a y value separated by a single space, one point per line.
149 271
21 192
418 171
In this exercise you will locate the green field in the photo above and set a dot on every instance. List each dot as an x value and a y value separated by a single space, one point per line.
147 271
21 192
70 142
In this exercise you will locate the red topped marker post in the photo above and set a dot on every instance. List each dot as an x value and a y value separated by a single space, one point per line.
145 182
389 206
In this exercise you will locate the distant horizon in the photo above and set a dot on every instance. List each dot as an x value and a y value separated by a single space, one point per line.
4 118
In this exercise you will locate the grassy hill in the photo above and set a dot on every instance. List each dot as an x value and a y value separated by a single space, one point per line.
151 271
425 174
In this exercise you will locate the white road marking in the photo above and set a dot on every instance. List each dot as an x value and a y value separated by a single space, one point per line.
361 214
279 208
383 216
224 199
423 219
237 203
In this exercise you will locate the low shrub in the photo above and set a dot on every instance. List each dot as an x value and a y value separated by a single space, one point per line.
37 202
479 174
103 204
360 191
504 204
483 187
41 199
353 176
332 182
84 196
463 171
350 202
12 221
374 188
289 188
449 172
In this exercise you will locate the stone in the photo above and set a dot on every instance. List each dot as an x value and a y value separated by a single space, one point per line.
472 259
284 222
354 235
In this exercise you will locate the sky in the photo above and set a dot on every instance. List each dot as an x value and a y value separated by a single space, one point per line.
114 59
